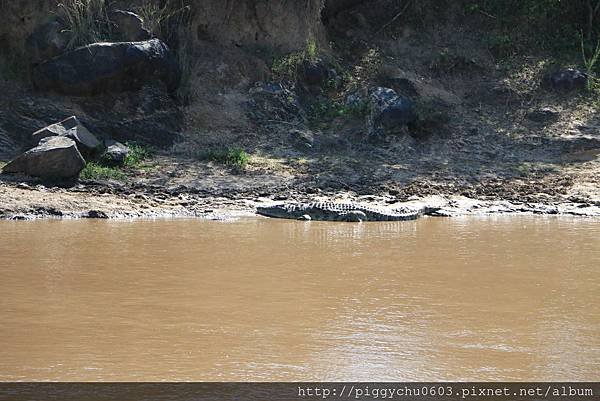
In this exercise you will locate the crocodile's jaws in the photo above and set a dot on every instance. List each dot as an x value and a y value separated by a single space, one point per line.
330 211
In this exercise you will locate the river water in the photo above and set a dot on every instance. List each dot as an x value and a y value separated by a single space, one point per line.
510 298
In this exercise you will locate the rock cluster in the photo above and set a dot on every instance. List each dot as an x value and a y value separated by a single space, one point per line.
133 59
61 150
89 146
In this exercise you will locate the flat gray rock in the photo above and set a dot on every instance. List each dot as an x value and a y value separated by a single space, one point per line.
55 157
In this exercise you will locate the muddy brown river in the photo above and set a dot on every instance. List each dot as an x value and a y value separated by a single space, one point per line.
509 298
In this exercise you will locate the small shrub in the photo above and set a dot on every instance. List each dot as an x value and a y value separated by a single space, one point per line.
286 67
95 171
321 113
364 71
311 50
137 154
165 19
233 157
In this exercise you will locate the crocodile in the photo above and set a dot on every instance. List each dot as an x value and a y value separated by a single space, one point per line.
330 211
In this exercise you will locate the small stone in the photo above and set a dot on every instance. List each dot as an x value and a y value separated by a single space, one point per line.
305 217
97 214
545 115
115 153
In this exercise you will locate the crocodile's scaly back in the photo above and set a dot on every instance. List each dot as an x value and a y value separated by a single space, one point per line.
331 211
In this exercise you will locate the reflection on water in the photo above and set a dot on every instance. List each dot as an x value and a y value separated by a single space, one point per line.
258 299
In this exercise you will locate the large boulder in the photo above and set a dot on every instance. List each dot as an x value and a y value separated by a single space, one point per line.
108 67
389 112
55 157
89 146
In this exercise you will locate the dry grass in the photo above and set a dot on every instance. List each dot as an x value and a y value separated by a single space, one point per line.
86 20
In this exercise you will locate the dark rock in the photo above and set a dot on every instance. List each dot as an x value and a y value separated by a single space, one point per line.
115 153
108 67
543 116
55 157
47 41
565 80
89 146
128 26
96 214
49 211
390 113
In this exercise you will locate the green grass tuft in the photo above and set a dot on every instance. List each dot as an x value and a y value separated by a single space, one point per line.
137 154
102 170
86 20
95 171
233 157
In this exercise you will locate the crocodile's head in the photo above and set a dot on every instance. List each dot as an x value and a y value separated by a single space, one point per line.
278 211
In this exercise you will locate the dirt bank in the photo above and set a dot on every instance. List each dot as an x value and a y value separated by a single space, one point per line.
176 188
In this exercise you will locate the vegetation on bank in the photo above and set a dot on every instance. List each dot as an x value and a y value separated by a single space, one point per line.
97 171
104 170
137 154
285 68
236 158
